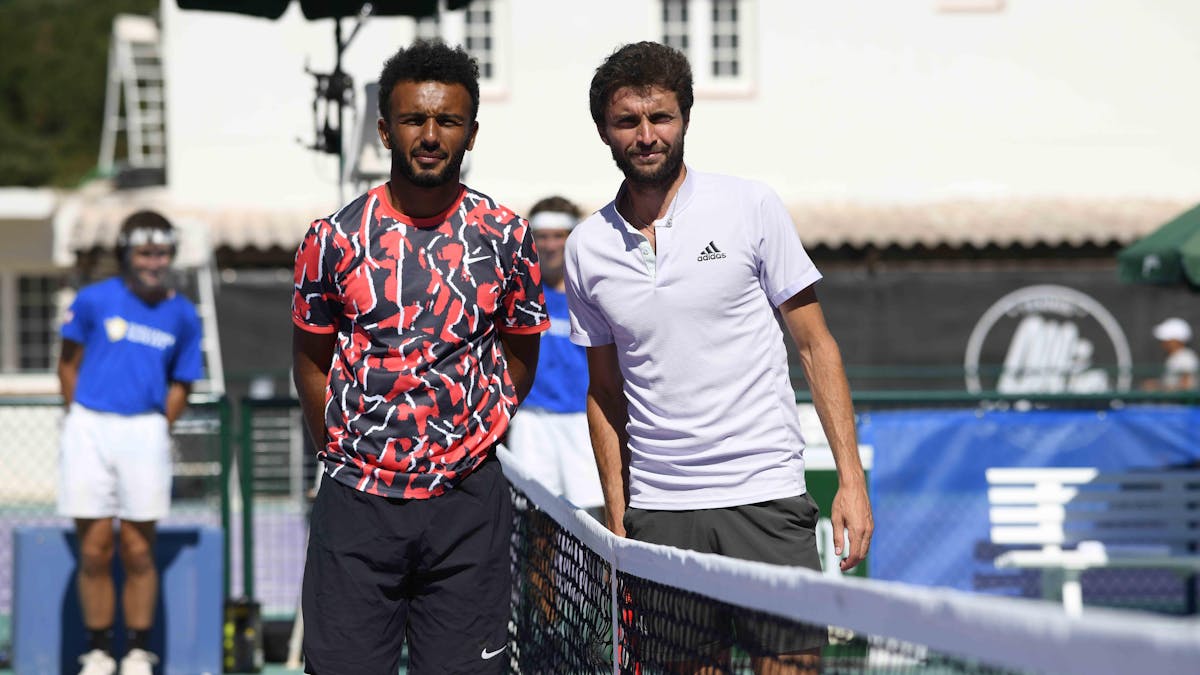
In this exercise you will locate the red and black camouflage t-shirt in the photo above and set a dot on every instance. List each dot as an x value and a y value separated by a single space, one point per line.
419 389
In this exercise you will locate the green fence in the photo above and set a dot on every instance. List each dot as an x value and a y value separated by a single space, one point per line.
280 474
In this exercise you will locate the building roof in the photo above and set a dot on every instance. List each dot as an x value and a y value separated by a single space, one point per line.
977 223
22 203
92 219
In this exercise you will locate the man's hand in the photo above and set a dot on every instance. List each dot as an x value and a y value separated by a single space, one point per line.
851 513
614 522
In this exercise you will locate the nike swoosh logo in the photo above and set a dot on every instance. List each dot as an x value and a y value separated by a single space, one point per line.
485 654
468 261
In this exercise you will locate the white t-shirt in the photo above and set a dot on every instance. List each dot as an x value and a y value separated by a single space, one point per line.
712 414
1181 363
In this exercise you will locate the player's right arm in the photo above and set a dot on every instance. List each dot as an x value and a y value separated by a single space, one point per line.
69 361
316 308
312 355
607 415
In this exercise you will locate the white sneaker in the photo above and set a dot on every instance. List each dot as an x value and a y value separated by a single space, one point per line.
97 662
138 662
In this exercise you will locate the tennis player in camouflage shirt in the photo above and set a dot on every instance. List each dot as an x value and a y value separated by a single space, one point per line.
417 312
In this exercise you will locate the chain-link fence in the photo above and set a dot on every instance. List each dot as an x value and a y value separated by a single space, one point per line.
29 459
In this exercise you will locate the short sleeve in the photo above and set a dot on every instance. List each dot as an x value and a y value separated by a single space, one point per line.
188 364
784 267
78 320
589 328
316 300
523 307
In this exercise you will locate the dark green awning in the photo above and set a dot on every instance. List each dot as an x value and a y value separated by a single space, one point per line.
1168 255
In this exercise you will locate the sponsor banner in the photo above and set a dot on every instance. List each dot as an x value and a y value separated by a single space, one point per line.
909 327
1054 340
929 492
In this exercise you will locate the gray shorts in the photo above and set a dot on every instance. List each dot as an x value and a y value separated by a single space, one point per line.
780 531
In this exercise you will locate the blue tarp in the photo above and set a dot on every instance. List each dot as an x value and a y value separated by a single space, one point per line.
928 487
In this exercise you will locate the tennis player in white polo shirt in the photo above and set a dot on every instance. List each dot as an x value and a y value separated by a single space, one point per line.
674 288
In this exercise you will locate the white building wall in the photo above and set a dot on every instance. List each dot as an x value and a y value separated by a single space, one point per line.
861 99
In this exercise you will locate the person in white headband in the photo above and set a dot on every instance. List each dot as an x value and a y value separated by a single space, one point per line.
146 246
549 435
130 353
550 221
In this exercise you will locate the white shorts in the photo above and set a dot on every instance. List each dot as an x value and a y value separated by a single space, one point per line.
556 449
114 465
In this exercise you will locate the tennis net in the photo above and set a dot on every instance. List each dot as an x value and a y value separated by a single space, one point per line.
586 601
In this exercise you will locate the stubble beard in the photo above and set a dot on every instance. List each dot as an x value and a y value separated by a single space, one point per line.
659 177
430 179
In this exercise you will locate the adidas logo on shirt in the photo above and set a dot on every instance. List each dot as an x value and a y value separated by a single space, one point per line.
710 252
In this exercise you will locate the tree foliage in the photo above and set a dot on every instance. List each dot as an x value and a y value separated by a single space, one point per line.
53 63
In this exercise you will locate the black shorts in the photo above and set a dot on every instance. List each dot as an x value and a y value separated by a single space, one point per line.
434 572
780 531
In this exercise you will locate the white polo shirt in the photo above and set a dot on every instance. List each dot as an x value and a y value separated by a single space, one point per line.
712 414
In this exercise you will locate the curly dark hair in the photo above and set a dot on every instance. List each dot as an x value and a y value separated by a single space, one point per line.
429 61
556 204
642 65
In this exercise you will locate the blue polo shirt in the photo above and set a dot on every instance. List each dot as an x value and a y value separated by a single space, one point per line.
131 349
561 381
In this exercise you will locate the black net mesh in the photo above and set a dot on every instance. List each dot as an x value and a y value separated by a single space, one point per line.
562 598
563 612
668 630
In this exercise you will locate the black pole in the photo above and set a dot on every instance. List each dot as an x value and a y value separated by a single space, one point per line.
337 78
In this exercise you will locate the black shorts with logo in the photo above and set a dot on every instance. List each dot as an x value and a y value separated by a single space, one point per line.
779 531
434 572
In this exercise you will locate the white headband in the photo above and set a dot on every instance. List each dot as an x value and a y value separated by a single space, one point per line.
553 220
150 235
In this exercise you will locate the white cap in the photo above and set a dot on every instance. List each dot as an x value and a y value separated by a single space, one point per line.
1173 328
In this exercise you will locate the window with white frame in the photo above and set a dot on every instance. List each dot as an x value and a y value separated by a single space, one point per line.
478 28
36 329
726 58
29 313
718 38
478 40
675 24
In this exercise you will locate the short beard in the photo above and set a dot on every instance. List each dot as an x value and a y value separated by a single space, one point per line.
661 177
428 179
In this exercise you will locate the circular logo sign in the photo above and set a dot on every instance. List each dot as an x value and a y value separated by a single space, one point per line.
1050 340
